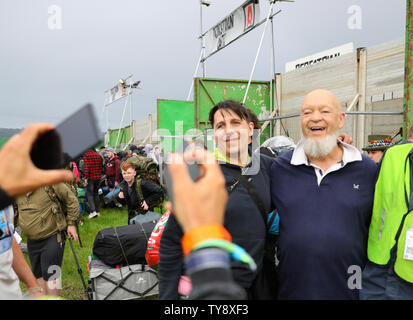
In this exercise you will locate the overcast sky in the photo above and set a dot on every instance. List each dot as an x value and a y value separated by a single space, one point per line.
46 74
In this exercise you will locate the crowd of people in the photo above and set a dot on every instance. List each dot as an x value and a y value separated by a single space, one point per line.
101 173
312 220
47 216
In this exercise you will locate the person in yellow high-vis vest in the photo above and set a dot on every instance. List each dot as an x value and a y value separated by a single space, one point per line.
389 270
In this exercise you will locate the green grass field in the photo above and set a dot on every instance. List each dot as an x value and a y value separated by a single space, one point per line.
72 288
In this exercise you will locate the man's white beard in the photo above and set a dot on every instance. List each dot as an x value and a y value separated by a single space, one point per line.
320 148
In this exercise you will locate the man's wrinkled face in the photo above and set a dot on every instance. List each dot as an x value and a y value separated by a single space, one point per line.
321 115
231 133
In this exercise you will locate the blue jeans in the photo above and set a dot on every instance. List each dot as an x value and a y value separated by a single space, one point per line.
382 284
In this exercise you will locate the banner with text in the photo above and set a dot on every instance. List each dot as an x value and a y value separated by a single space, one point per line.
233 26
320 57
120 90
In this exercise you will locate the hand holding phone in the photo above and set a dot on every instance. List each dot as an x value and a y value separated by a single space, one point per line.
46 151
192 169
70 139
201 201
18 175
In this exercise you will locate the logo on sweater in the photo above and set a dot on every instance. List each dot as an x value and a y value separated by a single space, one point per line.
356 186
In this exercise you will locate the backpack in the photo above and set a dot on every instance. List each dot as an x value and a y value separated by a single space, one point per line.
146 217
146 168
75 170
152 250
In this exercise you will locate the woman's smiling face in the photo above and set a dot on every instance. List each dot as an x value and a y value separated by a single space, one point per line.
231 133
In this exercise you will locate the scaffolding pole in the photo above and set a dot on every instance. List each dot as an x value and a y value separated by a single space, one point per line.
408 75
258 52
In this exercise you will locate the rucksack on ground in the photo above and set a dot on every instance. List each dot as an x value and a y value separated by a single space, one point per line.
124 245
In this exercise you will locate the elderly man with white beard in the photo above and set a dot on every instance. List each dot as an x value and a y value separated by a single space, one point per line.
323 191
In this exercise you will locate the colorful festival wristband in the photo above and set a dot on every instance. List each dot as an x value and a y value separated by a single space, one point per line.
201 234
35 290
206 258
236 252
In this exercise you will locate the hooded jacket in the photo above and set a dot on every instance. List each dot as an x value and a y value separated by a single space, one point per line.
112 168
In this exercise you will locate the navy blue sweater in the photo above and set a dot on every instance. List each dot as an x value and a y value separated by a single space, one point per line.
323 229
243 221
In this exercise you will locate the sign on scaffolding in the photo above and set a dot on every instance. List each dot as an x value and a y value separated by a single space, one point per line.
117 92
121 90
238 22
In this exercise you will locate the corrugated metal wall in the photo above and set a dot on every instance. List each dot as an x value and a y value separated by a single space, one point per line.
138 132
144 128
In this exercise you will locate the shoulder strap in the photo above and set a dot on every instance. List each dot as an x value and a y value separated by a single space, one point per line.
139 189
121 247
51 192
251 191
53 196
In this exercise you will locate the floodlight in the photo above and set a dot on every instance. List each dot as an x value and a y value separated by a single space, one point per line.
136 84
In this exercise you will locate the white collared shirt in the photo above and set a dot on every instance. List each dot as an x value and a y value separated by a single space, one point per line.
350 154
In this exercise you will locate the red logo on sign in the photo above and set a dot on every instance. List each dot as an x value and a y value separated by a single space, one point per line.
250 16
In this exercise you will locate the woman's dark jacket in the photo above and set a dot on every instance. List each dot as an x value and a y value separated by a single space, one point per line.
243 220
